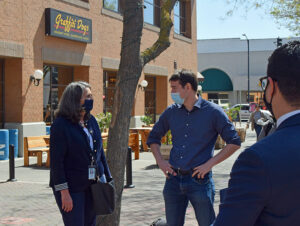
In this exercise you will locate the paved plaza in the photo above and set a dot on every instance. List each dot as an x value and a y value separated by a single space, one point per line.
29 201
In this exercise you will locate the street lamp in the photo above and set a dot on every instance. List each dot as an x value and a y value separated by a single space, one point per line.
248 96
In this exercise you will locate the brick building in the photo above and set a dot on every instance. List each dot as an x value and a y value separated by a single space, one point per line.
34 35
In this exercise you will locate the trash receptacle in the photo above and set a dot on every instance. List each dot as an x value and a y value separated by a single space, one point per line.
13 139
4 137
48 130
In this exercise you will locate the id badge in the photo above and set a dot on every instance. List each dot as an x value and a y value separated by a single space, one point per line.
92 172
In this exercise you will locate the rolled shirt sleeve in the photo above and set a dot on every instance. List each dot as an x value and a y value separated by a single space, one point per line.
225 128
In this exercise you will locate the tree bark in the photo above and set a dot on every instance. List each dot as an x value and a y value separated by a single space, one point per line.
130 69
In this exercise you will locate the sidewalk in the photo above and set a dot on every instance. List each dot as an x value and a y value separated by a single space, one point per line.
29 201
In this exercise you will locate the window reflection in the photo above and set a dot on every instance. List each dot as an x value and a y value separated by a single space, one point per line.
111 5
149 12
152 12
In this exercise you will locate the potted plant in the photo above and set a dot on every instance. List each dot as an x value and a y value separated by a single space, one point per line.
104 120
147 119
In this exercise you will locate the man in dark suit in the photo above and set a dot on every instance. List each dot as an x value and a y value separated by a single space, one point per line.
264 185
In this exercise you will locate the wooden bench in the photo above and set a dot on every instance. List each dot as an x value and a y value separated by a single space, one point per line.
133 142
35 146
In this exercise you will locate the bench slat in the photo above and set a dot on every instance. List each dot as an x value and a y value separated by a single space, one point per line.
35 146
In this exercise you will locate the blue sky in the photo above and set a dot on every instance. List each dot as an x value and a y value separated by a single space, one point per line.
256 23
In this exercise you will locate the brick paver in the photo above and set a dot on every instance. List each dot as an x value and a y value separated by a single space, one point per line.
29 201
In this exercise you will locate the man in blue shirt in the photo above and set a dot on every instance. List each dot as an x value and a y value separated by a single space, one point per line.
194 124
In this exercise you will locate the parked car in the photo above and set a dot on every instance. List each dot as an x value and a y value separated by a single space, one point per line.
224 103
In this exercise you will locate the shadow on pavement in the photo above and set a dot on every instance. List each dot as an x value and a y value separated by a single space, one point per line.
154 166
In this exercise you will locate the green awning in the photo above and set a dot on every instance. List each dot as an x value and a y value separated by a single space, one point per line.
216 80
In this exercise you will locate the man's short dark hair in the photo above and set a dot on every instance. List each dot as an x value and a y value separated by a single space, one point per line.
284 67
185 77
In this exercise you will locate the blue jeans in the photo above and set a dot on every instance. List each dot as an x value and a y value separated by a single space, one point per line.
257 129
181 189
82 213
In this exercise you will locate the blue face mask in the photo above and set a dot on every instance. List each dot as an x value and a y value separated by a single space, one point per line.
88 105
176 98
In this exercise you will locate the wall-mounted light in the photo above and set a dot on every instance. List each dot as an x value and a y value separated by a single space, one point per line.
175 65
143 85
36 77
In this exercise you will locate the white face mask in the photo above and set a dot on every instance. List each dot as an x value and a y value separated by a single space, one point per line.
177 99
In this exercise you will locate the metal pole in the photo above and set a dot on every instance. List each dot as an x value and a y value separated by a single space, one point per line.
248 72
129 170
11 163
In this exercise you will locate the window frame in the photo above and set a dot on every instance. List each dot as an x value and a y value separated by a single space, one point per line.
120 6
156 12
183 20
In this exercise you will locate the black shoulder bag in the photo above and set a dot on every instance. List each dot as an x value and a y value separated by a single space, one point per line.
103 194
103 197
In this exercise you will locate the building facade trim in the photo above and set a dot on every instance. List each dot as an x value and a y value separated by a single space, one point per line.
11 49
110 63
156 70
52 55
79 3
183 38
112 14
152 27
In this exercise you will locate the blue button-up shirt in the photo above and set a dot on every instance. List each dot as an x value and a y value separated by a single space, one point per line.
194 133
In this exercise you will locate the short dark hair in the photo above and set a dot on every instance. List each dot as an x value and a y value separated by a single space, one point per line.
185 76
284 67
69 105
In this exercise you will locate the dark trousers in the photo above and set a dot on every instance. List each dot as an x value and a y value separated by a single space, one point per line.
257 129
82 213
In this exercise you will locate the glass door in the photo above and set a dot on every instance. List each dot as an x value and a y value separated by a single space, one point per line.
150 98
56 78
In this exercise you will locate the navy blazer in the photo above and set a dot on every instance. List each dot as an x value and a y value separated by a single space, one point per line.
70 154
264 185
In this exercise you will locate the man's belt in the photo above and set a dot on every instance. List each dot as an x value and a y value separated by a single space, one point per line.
182 172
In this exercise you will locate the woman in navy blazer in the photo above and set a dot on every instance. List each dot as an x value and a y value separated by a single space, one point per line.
75 146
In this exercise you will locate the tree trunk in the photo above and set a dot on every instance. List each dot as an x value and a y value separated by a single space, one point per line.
130 69
128 75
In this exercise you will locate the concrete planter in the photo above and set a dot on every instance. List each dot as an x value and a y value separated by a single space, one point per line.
165 151
220 143
242 133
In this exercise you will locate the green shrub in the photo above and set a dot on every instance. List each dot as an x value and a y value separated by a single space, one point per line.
147 119
233 113
103 120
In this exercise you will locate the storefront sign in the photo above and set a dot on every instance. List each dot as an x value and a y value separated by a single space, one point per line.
64 25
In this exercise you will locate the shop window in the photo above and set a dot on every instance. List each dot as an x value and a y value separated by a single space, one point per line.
182 18
152 12
150 98
114 5
109 83
56 78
